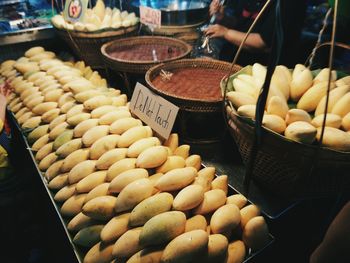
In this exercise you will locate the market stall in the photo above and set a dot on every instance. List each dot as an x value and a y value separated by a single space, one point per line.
224 181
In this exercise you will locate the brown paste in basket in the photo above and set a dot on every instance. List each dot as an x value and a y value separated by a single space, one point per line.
192 83
144 52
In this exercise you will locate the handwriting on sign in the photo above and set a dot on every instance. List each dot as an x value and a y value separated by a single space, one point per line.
152 109
150 16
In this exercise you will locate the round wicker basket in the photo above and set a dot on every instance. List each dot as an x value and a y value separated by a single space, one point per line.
198 121
87 45
137 66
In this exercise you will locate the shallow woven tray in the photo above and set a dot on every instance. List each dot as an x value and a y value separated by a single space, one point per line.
141 67
190 104
87 45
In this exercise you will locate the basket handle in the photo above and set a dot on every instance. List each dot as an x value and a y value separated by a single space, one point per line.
276 47
309 60
330 66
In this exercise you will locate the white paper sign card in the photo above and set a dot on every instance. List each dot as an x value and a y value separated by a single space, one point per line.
150 17
153 110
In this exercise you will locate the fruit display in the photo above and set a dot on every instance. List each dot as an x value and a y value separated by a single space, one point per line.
127 195
98 18
296 103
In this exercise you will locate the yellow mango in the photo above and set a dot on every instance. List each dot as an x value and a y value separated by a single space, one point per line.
125 178
149 208
255 233
188 198
152 157
81 170
185 247
91 181
176 179
115 228
72 206
100 208
109 158
103 145
225 219
301 131
213 199
162 228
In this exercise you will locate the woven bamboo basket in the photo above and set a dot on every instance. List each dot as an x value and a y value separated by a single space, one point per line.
196 115
137 66
289 168
87 45
285 167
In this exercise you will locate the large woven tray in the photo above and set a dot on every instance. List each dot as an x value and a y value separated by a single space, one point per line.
87 45
137 66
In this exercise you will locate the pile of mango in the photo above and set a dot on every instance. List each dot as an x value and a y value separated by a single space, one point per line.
306 91
127 194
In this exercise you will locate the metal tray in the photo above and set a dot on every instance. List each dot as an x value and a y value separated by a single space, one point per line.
176 12
80 252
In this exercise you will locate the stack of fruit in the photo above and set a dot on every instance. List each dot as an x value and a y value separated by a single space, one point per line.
301 122
128 196
98 18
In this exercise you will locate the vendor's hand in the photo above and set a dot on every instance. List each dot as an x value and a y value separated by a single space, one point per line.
216 31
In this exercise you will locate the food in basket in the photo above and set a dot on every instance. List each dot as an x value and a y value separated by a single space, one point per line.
308 90
274 122
334 96
332 120
188 83
310 99
294 115
301 131
145 52
97 18
102 181
335 138
247 111
277 106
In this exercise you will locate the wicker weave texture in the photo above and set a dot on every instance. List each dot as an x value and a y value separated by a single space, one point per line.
87 46
141 67
289 168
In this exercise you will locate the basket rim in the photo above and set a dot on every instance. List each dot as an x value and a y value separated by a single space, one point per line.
160 39
105 32
194 62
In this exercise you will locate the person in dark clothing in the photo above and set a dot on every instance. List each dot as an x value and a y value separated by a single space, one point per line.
231 29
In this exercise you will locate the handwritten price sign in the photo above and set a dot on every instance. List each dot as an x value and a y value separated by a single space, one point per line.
150 17
152 109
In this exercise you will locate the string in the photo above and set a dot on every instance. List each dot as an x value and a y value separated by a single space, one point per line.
276 49
330 66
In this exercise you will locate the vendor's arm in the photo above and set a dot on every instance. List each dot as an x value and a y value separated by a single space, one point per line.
253 42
